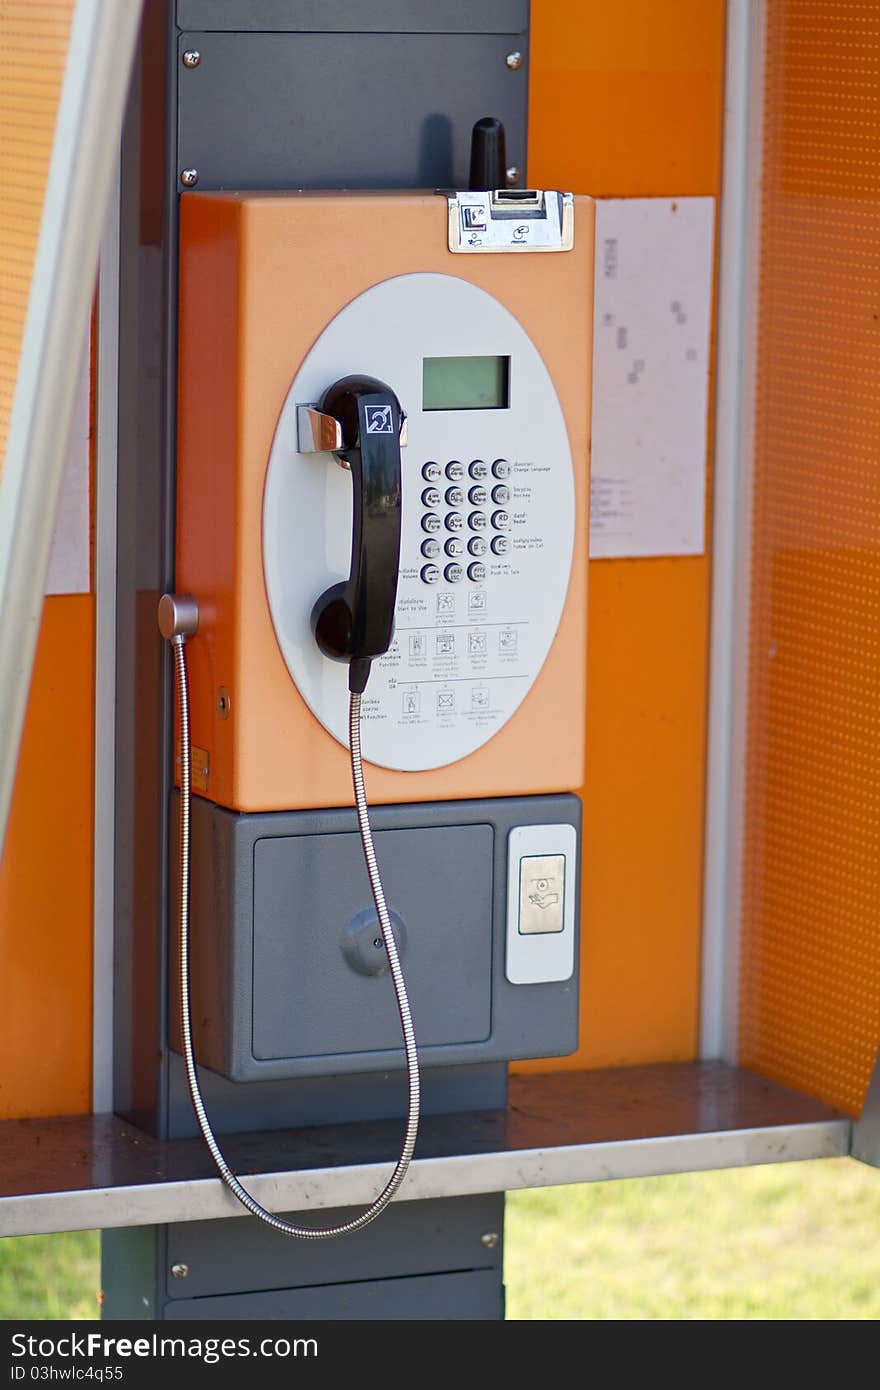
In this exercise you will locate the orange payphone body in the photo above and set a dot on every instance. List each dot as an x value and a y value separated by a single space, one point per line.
262 275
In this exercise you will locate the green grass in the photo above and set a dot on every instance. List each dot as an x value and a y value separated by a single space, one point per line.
793 1241
50 1276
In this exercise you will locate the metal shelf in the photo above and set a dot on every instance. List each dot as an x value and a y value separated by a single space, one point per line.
97 1171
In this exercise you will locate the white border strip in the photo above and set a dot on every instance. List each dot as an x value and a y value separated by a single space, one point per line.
102 41
732 512
107 434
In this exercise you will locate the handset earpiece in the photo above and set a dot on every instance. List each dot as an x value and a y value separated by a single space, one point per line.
353 620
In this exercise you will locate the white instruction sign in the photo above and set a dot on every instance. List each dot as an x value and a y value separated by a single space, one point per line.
650 376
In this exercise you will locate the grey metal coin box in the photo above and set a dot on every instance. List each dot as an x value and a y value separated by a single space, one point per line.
288 971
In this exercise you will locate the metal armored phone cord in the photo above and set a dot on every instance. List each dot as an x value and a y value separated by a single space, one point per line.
176 632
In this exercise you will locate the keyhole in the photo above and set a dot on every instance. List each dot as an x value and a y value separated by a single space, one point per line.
377 942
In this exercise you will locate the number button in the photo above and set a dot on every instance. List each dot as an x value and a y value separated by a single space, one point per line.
431 472
500 520
477 521
454 547
477 571
477 496
430 574
454 496
501 469
478 469
430 549
454 521
454 573
500 545
477 545
501 494
455 471
431 497
430 522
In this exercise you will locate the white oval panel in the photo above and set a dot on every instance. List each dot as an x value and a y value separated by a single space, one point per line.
465 653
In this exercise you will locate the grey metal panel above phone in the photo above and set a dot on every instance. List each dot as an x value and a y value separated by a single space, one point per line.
357 16
276 994
271 110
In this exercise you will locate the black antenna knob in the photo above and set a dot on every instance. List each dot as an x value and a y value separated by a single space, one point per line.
488 155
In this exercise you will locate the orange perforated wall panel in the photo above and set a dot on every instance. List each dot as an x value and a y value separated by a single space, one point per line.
33 49
810 996
46 868
626 101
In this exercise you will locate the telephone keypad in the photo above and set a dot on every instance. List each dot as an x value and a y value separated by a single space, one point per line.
434 519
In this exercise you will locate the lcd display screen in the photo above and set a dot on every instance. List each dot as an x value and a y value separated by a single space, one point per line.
466 383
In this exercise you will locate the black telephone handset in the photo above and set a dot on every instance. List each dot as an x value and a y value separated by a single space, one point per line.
354 621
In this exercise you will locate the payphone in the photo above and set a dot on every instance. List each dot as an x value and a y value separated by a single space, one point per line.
382 522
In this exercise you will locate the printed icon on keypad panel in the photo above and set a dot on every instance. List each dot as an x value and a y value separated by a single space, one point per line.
480 697
417 645
444 644
477 602
446 605
478 643
410 702
508 640
445 701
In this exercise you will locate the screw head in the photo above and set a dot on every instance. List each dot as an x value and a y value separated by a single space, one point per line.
191 58
224 703
514 61
490 1239
189 177
179 1271
511 175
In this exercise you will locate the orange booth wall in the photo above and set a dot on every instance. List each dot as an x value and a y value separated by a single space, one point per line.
626 101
